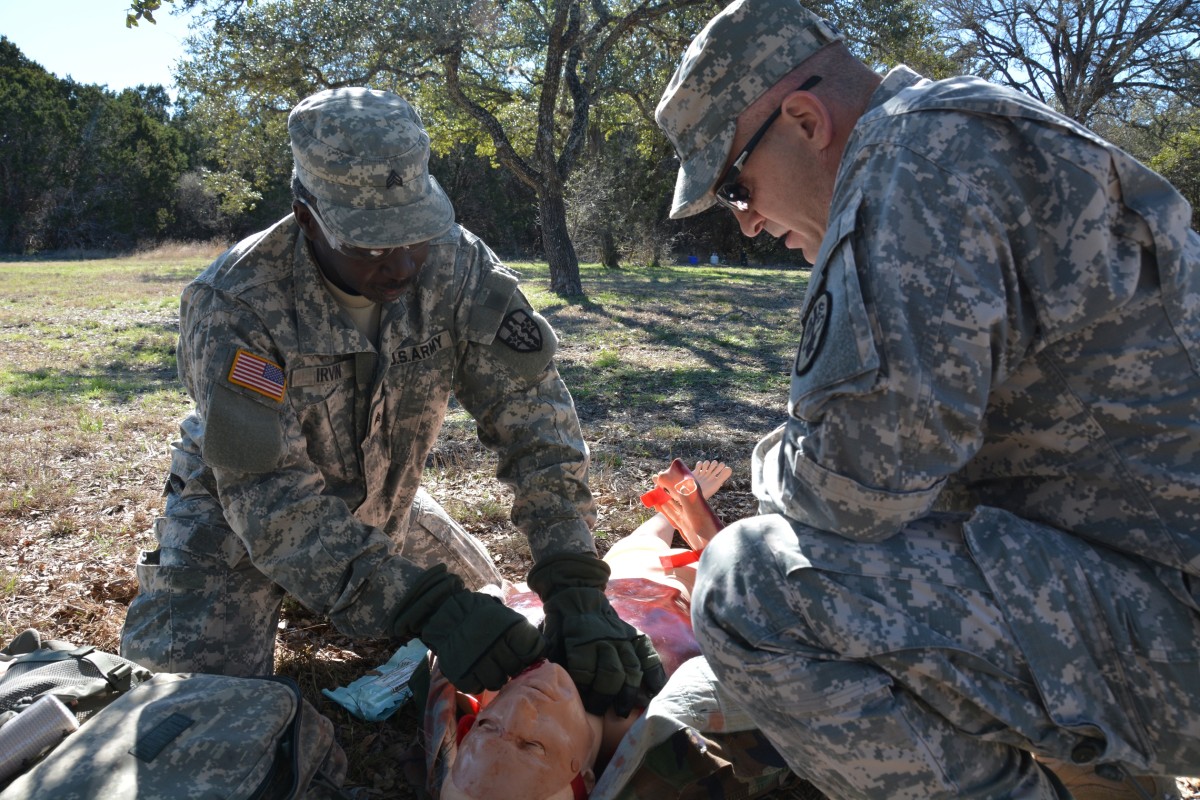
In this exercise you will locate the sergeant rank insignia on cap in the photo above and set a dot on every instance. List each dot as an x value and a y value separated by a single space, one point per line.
258 375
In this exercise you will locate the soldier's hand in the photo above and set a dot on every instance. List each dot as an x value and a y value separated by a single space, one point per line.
480 643
610 661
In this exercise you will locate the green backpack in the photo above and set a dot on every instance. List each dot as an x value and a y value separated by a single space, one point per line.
165 735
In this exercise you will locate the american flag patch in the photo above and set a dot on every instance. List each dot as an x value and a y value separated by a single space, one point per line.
257 374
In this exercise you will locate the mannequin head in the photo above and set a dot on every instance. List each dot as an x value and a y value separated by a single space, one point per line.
529 742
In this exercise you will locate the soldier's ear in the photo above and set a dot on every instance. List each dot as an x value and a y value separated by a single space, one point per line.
811 118
304 219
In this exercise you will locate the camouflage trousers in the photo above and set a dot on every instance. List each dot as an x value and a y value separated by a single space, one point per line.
202 606
933 664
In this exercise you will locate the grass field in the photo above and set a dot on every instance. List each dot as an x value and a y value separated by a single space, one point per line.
675 361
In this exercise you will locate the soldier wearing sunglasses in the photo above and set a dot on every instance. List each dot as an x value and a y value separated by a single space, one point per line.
974 572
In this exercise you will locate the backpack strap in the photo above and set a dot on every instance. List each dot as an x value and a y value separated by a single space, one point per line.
117 672
100 676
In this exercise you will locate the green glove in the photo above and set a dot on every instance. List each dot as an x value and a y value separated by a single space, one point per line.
480 643
609 659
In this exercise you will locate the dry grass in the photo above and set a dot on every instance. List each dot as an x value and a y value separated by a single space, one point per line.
689 362
89 404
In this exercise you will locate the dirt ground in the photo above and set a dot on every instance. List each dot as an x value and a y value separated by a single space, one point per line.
89 402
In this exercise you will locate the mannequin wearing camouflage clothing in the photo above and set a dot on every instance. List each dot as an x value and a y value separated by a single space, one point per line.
322 354
980 525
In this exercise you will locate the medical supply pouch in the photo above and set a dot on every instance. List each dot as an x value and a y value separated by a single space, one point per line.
377 695
83 678
184 735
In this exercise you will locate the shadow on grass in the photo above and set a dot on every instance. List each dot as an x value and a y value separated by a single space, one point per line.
696 311
685 398
742 326
111 384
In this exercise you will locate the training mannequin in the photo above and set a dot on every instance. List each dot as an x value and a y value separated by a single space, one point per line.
533 740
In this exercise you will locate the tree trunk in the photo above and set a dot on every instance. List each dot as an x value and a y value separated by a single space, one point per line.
560 252
609 256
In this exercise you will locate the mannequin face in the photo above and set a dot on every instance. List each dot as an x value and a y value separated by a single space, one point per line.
527 743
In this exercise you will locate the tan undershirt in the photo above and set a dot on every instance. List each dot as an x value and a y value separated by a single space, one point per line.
365 313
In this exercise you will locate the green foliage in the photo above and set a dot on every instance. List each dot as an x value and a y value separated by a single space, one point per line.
540 115
1163 132
81 166
518 83
1179 162
884 33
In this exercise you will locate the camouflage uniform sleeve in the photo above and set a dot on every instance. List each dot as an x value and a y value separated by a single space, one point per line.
508 382
912 316
271 493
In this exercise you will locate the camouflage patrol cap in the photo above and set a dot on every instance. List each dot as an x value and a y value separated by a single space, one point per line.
364 156
742 52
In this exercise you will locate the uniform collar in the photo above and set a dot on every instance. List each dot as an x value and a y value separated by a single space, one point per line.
322 329
896 81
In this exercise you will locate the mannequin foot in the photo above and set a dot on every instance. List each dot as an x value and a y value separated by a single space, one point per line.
711 475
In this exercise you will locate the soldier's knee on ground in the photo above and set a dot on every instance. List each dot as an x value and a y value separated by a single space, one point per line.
193 615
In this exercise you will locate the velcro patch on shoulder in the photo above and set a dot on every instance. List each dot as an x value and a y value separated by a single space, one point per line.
241 433
257 374
524 339
492 302
814 324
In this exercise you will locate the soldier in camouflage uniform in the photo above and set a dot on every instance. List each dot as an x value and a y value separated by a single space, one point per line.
321 355
979 537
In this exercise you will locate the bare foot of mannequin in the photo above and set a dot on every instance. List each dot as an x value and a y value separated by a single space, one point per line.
711 475
686 508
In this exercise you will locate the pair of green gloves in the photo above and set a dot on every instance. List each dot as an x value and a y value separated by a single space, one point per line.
480 643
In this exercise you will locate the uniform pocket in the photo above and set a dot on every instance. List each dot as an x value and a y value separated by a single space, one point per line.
324 395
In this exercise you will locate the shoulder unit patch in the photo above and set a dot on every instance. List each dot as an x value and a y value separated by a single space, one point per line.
815 323
519 331
258 375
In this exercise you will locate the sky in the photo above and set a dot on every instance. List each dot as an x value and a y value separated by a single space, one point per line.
87 41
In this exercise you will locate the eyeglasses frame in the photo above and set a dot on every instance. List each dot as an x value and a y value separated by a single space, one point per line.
730 176
335 244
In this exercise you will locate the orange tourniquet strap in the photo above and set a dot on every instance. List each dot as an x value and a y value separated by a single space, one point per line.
655 497
679 559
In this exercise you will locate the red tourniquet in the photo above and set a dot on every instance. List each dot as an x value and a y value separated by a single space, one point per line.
653 499
679 559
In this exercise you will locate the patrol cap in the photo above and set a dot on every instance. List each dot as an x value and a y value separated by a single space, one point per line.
364 156
742 52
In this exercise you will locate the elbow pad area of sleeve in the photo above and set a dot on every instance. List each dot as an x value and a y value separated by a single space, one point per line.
241 433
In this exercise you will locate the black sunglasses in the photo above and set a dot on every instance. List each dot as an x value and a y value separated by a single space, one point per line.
729 192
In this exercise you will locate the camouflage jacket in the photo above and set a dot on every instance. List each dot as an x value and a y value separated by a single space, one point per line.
308 442
1005 311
